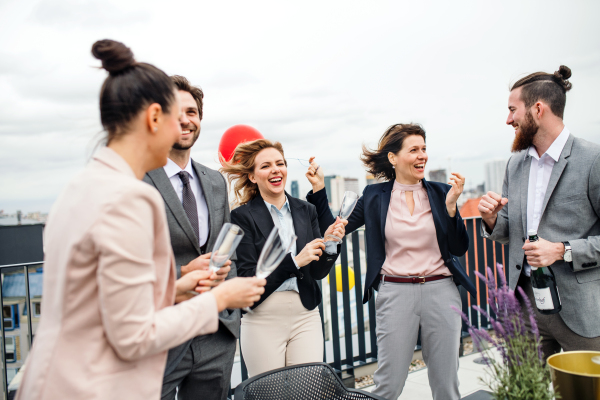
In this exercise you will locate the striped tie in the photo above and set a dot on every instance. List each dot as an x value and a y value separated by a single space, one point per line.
189 202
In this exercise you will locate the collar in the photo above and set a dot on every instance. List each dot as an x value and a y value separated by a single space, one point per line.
173 169
285 207
555 148
111 158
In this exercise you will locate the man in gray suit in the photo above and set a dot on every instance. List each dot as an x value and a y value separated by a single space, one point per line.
197 207
552 185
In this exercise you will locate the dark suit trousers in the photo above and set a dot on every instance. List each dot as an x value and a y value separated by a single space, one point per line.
553 330
205 370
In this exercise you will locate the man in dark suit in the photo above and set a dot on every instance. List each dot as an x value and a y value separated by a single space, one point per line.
197 207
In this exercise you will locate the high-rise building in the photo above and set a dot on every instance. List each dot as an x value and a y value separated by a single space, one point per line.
351 185
295 189
494 175
438 175
371 179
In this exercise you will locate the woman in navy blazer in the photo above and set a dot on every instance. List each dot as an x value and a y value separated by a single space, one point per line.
408 302
285 327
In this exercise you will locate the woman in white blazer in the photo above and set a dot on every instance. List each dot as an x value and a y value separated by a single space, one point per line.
109 280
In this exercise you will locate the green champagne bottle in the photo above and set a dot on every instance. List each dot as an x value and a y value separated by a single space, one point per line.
544 287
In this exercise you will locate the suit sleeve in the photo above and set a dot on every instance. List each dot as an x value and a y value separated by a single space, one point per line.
586 251
458 237
127 276
326 218
320 268
500 232
248 253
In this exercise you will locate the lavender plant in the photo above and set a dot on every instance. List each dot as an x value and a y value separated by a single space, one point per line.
522 373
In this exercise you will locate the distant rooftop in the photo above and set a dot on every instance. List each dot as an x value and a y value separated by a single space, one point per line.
13 285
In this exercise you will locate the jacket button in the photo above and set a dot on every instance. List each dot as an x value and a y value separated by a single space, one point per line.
518 266
300 275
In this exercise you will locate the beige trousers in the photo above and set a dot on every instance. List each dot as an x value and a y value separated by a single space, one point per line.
281 332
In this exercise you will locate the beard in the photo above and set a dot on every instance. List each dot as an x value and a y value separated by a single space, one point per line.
527 130
186 146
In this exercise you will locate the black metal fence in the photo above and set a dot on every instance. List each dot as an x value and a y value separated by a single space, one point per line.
348 325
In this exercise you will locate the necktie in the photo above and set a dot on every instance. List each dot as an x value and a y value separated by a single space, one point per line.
189 202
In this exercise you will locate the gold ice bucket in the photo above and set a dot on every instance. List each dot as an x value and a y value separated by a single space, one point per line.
576 374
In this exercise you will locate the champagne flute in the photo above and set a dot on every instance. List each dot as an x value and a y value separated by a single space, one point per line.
348 203
227 241
273 252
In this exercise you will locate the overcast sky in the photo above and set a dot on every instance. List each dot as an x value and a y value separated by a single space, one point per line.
322 77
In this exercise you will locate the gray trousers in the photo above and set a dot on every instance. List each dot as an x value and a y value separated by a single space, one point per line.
401 309
205 370
556 335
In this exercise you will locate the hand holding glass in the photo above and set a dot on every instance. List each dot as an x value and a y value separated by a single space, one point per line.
348 203
227 241
273 252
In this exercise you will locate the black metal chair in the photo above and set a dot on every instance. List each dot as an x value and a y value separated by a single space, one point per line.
316 381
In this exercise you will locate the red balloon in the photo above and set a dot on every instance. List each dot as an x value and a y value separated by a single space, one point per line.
235 135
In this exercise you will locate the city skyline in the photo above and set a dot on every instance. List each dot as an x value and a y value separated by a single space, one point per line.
323 91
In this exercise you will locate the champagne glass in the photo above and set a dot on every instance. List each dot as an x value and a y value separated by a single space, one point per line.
227 241
348 203
273 252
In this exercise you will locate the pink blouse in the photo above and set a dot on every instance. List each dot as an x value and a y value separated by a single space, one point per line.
411 247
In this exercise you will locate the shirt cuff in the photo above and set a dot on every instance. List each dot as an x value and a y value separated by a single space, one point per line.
294 260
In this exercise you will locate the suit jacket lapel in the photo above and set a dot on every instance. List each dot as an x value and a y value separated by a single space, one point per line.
261 216
557 171
300 218
206 185
435 211
525 170
384 203
164 186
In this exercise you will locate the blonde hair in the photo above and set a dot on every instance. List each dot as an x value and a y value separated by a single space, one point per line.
242 165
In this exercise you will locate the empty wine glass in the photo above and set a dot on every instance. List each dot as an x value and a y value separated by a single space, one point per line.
227 241
348 203
273 252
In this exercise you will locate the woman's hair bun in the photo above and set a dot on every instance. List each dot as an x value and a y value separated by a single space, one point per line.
115 56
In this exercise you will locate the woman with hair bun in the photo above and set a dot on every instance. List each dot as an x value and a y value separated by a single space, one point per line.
413 232
285 327
109 278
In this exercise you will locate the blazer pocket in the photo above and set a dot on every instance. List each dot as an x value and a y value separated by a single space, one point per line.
570 198
588 276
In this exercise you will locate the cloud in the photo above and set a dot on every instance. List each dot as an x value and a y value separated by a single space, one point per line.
323 78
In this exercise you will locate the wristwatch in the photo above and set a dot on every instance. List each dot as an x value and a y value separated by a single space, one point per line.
567 256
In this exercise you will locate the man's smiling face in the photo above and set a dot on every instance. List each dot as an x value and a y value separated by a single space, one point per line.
190 121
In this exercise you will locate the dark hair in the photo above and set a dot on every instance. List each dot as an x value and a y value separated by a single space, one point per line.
130 87
376 161
181 83
550 88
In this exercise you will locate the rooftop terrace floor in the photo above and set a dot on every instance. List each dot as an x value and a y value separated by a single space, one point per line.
469 374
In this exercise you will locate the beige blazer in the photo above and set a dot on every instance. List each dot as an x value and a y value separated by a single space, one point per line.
109 282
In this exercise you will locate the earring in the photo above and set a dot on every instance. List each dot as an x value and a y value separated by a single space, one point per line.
155 129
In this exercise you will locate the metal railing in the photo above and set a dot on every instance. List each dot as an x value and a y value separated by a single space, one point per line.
349 326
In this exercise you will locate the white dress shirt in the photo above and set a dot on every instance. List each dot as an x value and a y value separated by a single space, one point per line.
172 170
539 176
284 221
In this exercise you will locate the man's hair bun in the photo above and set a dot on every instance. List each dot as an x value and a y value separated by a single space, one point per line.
563 74
115 56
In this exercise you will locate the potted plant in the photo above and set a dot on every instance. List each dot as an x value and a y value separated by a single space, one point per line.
521 373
